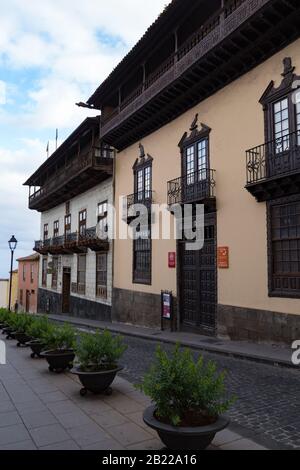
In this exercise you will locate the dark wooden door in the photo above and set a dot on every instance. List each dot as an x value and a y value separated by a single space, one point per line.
27 307
66 290
198 283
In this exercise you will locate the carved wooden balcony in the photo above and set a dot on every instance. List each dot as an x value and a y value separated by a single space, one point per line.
42 247
77 176
94 240
57 246
71 244
231 42
198 187
273 169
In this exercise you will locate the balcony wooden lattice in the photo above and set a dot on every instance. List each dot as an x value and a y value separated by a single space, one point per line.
77 176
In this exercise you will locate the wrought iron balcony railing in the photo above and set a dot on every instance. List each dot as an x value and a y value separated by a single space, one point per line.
195 187
274 159
141 198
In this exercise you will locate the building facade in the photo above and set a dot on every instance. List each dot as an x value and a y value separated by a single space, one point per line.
28 283
4 284
208 81
73 190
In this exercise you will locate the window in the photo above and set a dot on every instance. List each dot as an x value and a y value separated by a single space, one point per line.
21 296
102 218
81 274
282 125
32 273
46 232
196 162
54 272
284 248
67 225
56 229
82 222
143 183
44 271
24 272
298 119
101 275
68 205
142 257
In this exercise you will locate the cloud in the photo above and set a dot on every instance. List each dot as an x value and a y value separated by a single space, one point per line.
52 55
2 92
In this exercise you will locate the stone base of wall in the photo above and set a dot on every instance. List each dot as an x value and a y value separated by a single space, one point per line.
82 308
138 308
244 324
51 303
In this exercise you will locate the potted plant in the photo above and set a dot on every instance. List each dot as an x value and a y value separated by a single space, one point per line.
60 343
98 356
3 318
20 324
189 400
38 330
9 329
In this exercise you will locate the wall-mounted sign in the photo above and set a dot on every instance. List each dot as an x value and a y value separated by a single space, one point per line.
172 260
223 257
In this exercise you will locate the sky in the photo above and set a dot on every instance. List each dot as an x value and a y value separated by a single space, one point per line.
53 54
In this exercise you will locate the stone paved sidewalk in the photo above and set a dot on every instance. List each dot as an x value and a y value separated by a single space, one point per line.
40 410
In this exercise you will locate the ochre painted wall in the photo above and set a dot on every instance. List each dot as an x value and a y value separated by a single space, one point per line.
237 122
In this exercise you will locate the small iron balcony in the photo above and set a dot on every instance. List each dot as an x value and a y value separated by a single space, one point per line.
195 187
273 169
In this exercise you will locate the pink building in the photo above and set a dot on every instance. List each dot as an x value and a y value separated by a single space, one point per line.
28 283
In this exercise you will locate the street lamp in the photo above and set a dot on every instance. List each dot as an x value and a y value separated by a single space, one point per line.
12 246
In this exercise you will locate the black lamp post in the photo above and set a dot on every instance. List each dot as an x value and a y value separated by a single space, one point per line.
12 246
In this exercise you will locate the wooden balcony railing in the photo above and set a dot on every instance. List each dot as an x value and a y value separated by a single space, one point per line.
212 24
195 187
274 159
73 243
96 158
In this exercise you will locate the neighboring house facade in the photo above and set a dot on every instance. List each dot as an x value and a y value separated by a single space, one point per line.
14 289
28 283
4 284
202 87
75 189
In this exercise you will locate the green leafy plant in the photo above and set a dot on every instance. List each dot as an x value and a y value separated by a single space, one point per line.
186 392
20 321
38 328
59 338
99 351
4 314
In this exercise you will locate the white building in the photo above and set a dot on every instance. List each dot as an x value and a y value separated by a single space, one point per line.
73 190
4 284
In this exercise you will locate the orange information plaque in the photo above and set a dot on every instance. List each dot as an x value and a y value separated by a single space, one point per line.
223 257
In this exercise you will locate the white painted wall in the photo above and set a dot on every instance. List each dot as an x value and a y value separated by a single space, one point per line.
89 201
4 293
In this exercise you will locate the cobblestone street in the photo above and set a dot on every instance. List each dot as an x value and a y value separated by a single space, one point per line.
268 396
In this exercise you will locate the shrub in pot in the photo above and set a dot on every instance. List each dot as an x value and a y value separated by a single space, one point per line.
3 318
10 325
98 355
37 331
59 342
21 324
189 400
